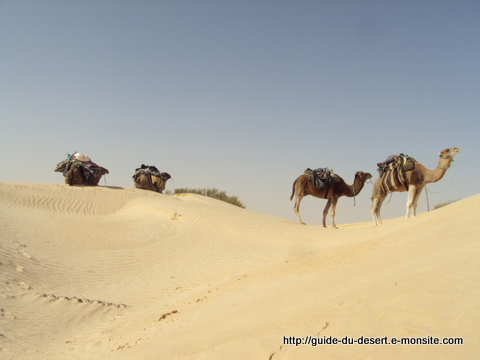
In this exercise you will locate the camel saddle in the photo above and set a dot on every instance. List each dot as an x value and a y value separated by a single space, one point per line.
392 171
151 170
406 161
321 177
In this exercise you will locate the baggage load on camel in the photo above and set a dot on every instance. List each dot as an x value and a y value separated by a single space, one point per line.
78 169
392 171
323 178
81 157
407 161
148 169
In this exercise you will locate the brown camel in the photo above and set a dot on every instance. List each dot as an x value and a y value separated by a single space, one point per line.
416 180
146 180
304 186
78 169
77 175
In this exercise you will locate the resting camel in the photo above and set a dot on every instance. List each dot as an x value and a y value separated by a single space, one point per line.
78 169
417 179
77 175
304 186
149 178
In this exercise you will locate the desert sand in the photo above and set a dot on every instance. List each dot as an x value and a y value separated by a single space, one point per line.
120 273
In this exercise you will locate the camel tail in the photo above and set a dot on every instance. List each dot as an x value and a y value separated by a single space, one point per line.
293 190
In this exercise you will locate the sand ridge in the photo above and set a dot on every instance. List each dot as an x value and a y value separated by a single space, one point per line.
99 272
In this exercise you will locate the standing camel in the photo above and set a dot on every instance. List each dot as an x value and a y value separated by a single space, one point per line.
304 186
417 178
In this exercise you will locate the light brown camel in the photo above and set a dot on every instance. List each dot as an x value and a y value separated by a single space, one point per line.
145 180
417 179
303 186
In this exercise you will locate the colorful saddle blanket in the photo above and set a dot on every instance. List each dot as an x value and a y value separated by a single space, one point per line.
392 171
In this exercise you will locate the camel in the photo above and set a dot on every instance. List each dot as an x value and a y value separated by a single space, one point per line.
417 179
149 178
303 186
77 175
78 169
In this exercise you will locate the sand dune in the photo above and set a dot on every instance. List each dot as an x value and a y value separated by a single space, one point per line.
96 273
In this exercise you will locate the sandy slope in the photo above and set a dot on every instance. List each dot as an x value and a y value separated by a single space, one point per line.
95 273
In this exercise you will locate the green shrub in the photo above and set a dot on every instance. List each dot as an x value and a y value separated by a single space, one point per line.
438 206
213 193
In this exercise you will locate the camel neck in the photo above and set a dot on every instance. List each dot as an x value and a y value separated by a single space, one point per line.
432 176
356 187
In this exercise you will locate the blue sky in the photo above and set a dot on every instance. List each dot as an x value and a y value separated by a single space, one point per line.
242 95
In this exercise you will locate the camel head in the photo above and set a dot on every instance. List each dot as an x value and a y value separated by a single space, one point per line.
449 153
363 175
165 176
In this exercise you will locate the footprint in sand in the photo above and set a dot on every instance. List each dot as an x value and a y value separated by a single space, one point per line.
7 315
83 300
19 268
164 316
23 285
26 255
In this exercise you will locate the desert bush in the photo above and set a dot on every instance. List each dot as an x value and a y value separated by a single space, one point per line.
438 206
213 193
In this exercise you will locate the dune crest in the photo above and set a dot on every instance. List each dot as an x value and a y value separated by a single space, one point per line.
98 272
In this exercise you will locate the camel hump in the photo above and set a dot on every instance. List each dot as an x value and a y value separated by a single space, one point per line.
402 160
325 172
321 177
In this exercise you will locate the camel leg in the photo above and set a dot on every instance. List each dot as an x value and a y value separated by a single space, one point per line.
325 211
334 208
379 216
296 207
373 210
376 206
411 196
69 177
415 200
